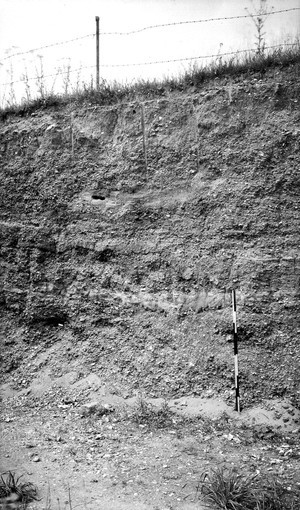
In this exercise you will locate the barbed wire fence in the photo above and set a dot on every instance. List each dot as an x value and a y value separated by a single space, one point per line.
8 94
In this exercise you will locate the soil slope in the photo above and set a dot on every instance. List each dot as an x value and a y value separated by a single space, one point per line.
120 246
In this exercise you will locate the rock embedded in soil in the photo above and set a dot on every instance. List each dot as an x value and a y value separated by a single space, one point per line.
95 408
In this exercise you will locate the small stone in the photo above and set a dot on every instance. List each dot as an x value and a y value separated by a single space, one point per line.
187 274
36 459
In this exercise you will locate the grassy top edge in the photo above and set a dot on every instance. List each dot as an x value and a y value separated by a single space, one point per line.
115 93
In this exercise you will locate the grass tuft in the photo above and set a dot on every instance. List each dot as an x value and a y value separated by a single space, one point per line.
227 490
14 493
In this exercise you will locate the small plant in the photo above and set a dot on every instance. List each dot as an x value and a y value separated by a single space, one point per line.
15 492
65 74
48 503
259 18
25 79
219 61
40 78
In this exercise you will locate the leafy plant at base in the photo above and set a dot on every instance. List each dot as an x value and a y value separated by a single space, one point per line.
22 492
273 495
228 490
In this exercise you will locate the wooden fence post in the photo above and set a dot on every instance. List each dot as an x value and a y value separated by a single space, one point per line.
97 55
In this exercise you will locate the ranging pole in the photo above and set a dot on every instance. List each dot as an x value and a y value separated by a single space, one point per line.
97 54
235 343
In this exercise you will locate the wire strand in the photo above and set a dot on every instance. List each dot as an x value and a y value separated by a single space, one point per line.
151 27
47 46
215 55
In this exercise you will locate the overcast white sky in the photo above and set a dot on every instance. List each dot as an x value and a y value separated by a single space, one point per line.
27 24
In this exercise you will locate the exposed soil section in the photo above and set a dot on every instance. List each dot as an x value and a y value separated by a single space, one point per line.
116 270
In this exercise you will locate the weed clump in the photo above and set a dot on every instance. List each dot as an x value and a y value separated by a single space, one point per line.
145 413
227 490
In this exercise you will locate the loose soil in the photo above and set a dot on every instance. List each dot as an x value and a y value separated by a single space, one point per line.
111 461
